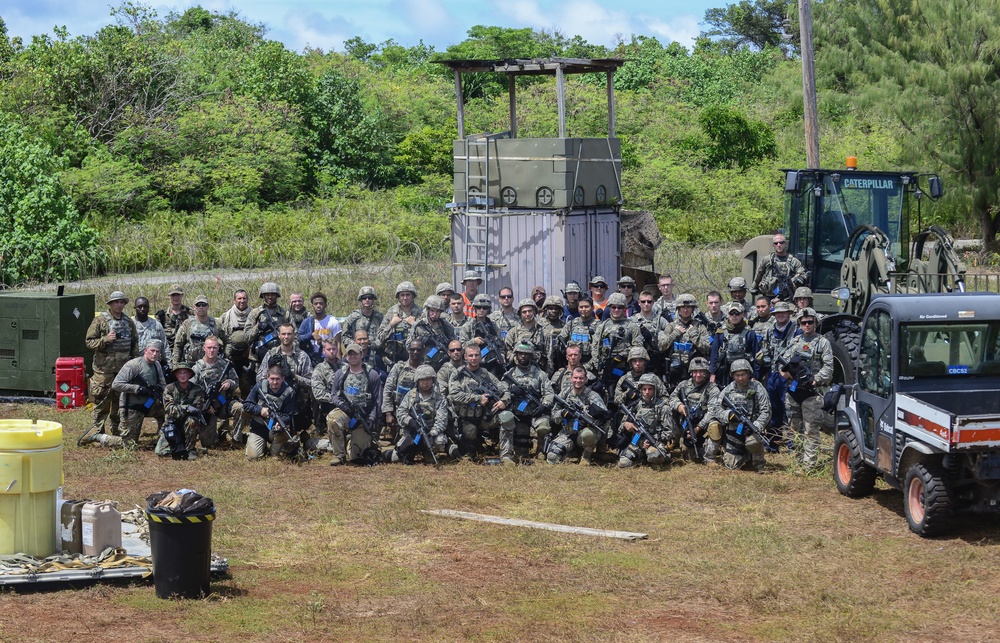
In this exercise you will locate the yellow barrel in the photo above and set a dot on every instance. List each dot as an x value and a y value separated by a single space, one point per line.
30 474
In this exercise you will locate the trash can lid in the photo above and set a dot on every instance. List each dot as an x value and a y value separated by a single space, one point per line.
21 435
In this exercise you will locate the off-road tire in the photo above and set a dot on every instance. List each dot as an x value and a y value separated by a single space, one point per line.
927 501
854 478
845 339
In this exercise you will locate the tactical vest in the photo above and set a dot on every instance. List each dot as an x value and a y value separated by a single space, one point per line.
580 332
123 334
355 389
198 332
736 433
405 382
735 346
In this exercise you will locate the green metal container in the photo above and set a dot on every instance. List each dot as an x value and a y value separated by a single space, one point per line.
35 329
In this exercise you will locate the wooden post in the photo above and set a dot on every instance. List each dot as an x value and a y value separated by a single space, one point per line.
461 104
512 97
809 85
611 104
561 99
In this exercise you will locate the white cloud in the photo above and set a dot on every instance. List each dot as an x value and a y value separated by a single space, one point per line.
681 29
524 12
312 29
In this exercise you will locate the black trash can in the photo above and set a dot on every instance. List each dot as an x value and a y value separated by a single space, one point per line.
181 547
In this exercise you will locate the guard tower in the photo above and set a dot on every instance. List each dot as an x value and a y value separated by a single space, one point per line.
536 211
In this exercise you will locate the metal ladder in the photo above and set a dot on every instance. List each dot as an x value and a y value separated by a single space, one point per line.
477 209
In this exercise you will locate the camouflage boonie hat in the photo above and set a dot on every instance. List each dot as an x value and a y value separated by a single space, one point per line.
740 365
182 366
617 299
367 291
406 286
554 301
783 307
638 352
524 347
435 302
423 372
482 301
527 301
117 296
572 287
648 379
737 283
803 291
698 364
686 300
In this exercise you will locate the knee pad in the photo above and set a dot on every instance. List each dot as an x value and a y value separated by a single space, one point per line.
506 419
587 438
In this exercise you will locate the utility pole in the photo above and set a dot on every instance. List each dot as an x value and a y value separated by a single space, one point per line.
809 85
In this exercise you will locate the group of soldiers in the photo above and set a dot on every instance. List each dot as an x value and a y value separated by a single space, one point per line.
630 377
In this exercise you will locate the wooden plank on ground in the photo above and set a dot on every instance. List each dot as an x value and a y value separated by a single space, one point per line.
517 522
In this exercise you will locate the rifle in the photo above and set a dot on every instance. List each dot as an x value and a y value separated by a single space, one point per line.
577 411
690 422
784 288
801 387
610 372
527 396
153 393
435 352
356 417
491 353
642 430
745 422
422 434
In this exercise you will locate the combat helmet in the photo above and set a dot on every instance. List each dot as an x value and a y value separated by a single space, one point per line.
527 301
423 372
553 300
482 301
269 288
406 286
617 299
435 302
685 300
698 364
739 365
367 291
803 291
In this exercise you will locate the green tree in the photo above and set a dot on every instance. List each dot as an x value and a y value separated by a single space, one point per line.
42 235
758 24
735 140
934 66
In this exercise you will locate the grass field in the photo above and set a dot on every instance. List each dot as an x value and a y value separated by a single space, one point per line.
321 553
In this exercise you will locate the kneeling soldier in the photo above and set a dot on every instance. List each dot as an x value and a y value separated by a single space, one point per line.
270 406
423 416
581 414
480 401
183 403
691 401
356 393
654 414
745 410
532 397
140 383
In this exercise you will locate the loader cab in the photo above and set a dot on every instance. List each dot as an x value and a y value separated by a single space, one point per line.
823 207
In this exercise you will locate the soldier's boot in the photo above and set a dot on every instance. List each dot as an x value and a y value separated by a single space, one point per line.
89 436
587 456
110 441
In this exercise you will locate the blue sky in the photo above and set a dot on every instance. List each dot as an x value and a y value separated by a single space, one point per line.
327 24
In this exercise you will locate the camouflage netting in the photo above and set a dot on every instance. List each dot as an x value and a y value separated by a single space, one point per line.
640 238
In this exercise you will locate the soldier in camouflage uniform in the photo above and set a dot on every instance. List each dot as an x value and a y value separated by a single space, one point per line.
434 332
732 342
114 339
573 431
191 335
552 314
427 402
654 329
480 412
365 317
297 369
531 418
761 318
400 381
654 412
470 283
738 295
297 311
218 378
529 331
804 299
776 340
356 393
611 343
270 407
561 378
456 311
779 273
686 338
742 444
456 359
692 401
573 293
140 382
262 323
321 382
665 306
395 328
237 349
183 405
579 330
506 316
172 317
627 387
714 317
371 356
481 331
148 328
813 355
